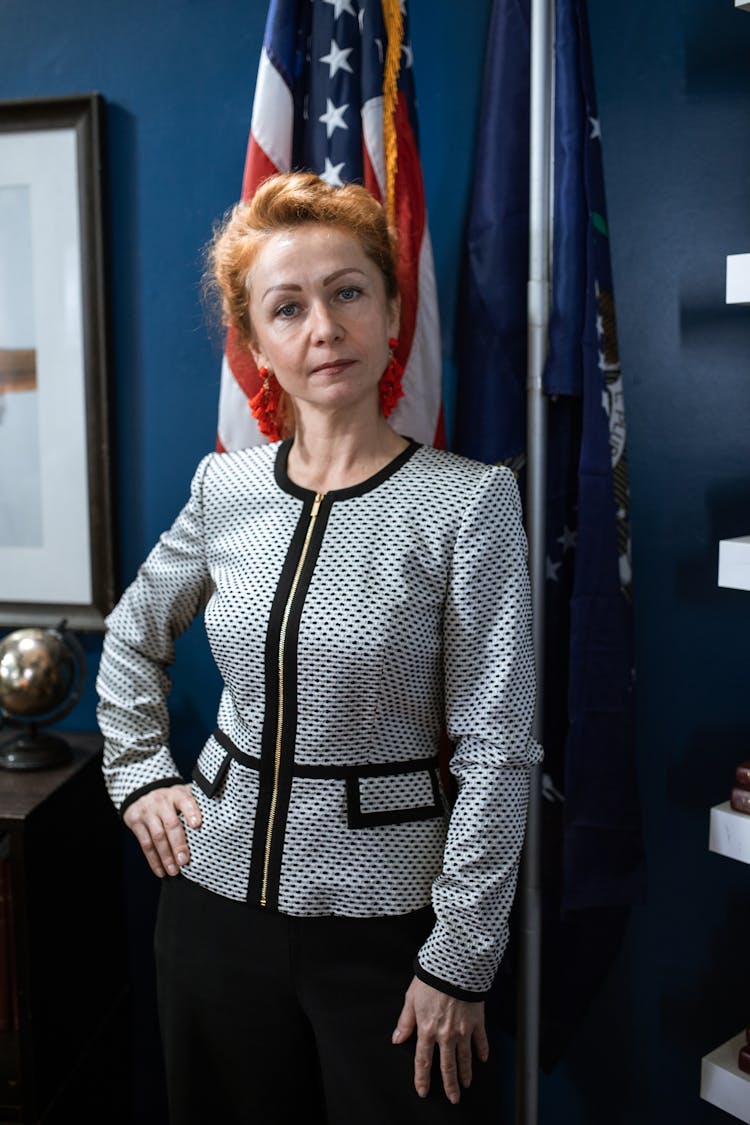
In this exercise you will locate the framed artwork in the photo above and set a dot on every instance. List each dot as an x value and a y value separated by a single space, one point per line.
56 556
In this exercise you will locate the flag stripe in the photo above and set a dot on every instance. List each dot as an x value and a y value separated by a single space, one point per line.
374 147
272 122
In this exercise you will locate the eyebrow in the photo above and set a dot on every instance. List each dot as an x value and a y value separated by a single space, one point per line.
293 287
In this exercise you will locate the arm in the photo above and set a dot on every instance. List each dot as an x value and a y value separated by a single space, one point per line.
489 695
171 588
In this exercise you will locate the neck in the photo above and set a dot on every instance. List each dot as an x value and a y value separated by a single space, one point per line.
330 453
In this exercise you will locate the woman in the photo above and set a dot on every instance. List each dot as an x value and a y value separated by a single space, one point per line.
361 593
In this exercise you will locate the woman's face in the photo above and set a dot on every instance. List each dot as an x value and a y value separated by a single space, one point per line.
321 318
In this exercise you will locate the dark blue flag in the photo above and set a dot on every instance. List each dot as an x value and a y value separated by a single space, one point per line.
593 864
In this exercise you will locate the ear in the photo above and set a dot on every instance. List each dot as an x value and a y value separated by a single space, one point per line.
260 359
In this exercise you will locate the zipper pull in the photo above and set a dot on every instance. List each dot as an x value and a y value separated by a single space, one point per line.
319 498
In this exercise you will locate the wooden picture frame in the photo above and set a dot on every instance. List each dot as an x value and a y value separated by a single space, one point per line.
56 550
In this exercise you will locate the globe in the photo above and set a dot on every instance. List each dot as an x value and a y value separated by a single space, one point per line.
41 679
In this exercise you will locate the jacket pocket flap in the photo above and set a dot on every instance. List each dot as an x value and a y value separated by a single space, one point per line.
211 768
393 798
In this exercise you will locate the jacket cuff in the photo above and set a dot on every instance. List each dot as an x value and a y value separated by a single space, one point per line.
461 964
446 986
163 783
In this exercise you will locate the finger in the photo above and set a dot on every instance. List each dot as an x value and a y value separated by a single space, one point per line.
162 843
463 1053
406 1023
423 1064
449 1071
481 1042
176 836
143 836
189 807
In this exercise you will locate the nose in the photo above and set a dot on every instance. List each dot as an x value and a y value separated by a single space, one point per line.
323 323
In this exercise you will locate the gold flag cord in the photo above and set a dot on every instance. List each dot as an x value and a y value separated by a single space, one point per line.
394 26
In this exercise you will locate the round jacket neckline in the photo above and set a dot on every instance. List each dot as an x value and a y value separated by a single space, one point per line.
285 482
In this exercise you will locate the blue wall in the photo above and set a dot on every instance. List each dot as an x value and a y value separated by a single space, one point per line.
674 97
674 92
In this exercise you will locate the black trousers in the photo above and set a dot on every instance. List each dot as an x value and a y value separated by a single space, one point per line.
272 1020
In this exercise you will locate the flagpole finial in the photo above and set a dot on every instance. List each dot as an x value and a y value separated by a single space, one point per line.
394 24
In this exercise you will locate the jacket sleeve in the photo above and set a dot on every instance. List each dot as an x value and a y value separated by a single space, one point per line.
489 696
170 589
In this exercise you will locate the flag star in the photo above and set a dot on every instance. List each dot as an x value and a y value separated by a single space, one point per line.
407 50
332 173
403 7
340 6
552 569
601 363
333 118
337 58
596 129
361 18
379 43
568 539
599 326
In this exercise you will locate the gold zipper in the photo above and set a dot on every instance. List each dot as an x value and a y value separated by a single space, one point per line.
280 713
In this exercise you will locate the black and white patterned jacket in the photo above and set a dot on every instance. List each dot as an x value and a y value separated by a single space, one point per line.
349 630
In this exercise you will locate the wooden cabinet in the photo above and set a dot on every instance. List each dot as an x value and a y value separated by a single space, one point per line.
64 1037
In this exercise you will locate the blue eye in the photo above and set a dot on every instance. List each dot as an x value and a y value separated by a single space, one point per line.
286 312
349 293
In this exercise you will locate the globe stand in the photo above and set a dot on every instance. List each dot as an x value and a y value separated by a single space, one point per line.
34 749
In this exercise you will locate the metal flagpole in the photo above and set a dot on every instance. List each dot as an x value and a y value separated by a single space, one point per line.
538 302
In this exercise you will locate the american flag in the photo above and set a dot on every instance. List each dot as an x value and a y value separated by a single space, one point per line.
322 104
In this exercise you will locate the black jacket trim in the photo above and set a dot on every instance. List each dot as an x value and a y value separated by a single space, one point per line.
210 787
284 482
274 794
164 783
444 986
268 736
335 773
358 819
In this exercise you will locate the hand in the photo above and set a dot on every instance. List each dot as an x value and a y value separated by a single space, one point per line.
155 822
450 1023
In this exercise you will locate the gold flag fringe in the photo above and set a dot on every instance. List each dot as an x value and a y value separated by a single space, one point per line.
394 26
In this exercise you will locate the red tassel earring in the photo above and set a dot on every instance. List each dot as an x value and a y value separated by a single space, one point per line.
390 382
264 405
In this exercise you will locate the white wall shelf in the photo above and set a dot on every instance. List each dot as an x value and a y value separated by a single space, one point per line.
738 276
723 1083
734 561
729 833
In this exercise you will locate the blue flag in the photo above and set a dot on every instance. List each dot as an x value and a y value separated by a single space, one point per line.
593 863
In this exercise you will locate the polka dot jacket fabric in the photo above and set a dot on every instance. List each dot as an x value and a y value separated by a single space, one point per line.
349 632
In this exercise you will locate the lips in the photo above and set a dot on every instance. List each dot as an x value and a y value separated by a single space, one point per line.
333 366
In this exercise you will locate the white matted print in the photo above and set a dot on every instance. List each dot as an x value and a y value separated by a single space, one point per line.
51 402
21 504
